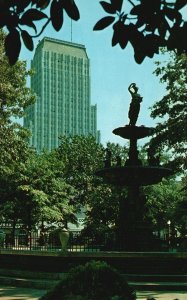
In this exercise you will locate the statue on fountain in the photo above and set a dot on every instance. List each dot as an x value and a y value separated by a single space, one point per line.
108 158
134 105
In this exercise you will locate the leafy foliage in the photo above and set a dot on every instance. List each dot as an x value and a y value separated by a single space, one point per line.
171 132
14 97
81 157
95 280
180 213
38 194
31 186
147 26
15 15
161 202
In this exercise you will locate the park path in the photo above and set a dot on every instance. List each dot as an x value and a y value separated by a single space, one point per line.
19 293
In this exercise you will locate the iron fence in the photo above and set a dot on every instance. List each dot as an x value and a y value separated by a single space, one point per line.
48 242
40 241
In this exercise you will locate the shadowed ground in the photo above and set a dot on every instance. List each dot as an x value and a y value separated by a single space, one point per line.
18 293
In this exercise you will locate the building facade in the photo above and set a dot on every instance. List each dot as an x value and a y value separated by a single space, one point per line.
61 82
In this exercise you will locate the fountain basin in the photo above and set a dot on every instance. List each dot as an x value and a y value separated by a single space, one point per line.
134 175
135 132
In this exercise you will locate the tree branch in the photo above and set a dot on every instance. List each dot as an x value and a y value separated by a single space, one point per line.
43 28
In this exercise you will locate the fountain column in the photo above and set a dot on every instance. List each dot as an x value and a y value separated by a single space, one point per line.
134 231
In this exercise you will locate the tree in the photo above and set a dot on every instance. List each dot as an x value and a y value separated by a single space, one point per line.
161 202
180 213
81 156
171 132
147 25
14 98
37 193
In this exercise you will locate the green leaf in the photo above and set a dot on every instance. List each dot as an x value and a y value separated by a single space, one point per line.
103 23
56 13
71 9
27 40
13 46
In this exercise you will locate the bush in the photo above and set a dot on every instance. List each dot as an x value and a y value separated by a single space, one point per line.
93 281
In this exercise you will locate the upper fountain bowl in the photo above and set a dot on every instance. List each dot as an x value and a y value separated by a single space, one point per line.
135 132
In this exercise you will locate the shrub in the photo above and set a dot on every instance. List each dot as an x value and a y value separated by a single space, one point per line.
95 280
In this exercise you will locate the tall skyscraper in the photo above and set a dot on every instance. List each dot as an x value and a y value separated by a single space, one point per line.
61 83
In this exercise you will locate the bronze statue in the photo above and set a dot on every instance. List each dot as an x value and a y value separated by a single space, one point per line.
134 105
118 161
108 157
152 157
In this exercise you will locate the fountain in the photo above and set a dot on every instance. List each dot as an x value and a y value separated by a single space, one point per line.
134 230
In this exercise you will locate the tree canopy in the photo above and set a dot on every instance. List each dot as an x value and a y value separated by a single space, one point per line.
171 131
14 98
146 25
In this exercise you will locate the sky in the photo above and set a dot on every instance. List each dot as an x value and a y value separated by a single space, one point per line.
112 71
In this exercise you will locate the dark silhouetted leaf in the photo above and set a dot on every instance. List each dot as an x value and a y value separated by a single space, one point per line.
33 15
136 10
28 23
21 5
56 13
27 40
121 34
137 40
151 44
140 22
172 14
163 26
42 4
115 39
136 37
139 56
71 9
103 23
13 46
108 7
4 18
117 4
172 40
180 4
177 39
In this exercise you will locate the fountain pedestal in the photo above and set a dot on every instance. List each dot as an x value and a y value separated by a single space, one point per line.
134 230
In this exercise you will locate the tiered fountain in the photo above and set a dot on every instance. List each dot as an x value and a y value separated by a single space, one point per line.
134 231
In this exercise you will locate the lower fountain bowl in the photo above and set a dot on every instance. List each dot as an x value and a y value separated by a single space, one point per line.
134 175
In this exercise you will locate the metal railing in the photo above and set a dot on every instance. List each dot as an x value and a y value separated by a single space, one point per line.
48 242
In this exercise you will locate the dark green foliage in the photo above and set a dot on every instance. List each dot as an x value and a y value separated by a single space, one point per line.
171 131
16 14
56 13
147 26
93 281
180 213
